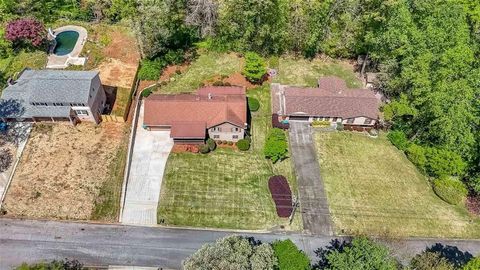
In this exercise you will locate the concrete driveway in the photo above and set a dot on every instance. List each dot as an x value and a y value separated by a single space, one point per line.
149 157
313 199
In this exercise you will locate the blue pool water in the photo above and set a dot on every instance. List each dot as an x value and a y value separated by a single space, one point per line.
65 42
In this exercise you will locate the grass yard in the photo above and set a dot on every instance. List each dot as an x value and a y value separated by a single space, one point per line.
70 172
206 67
22 60
304 72
373 189
226 188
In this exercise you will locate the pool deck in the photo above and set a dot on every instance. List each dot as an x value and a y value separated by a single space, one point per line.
57 61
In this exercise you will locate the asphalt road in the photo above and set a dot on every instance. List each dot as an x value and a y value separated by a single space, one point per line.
311 191
96 244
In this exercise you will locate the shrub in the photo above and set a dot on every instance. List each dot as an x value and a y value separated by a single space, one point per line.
276 146
253 104
289 256
6 159
174 56
218 83
178 71
204 149
442 162
243 145
399 139
361 253
416 154
474 183
29 32
233 252
255 67
211 144
224 142
147 93
450 190
473 264
429 260
150 69
281 195
219 142
230 143
319 123
340 126
227 84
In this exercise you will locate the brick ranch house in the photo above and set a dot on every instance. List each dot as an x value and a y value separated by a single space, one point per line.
332 101
219 113
53 95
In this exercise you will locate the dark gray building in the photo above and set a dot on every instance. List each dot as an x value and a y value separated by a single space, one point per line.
53 95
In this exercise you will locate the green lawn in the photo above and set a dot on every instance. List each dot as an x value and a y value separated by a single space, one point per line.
304 72
226 188
373 189
206 67
33 60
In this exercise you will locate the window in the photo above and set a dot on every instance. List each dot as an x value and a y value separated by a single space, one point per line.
216 136
350 120
235 129
57 104
368 121
320 118
81 112
335 119
235 137
327 118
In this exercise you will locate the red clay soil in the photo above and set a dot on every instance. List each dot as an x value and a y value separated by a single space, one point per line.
170 71
122 47
182 148
239 80
144 84
473 205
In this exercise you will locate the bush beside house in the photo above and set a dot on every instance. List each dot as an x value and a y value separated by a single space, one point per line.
243 144
276 147
255 67
253 104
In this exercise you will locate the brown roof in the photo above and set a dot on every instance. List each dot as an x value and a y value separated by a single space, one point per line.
188 130
335 101
183 109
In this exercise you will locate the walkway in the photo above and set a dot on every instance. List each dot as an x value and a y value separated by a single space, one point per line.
19 133
95 244
149 157
313 200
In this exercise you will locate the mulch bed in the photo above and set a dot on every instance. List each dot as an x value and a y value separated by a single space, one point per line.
182 148
473 205
281 194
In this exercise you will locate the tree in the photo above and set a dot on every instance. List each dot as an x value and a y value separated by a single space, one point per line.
233 252
473 264
26 32
430 261
203 14
255 67
53 265
289 256
6 159
361 253
276 147
252 25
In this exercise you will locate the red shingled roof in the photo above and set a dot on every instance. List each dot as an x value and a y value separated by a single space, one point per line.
221 90
187 113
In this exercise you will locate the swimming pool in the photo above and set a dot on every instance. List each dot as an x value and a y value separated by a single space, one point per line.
65 42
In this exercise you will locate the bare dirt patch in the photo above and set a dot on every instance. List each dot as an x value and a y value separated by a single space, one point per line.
239 80
122 46
63 169
114 72
170 71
